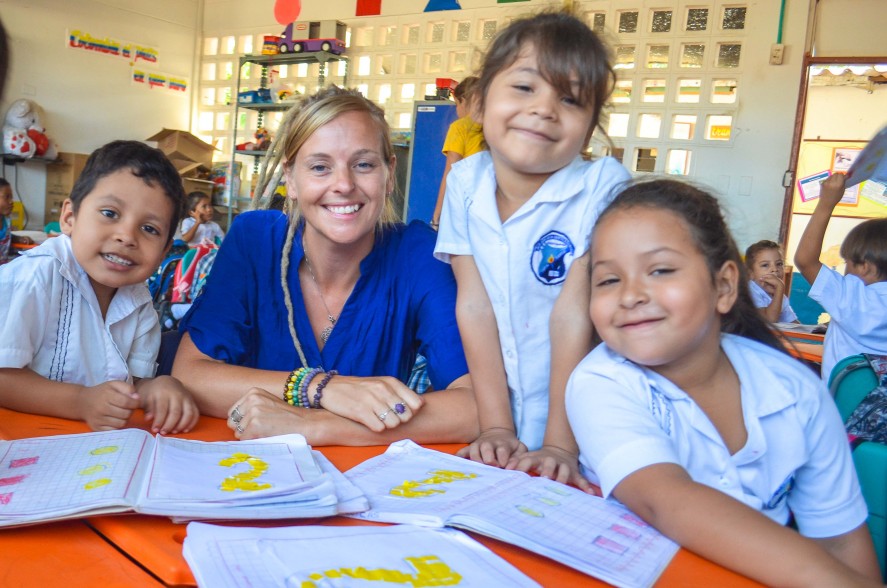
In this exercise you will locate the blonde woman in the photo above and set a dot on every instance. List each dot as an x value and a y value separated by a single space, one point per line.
311 320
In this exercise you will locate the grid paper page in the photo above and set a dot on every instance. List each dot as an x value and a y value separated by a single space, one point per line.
68 473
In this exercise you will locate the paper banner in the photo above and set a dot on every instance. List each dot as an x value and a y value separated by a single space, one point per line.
133 52
155 80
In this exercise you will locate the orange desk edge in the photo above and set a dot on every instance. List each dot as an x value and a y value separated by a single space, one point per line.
156 542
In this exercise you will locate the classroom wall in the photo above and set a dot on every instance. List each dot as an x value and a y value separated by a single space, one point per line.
87 98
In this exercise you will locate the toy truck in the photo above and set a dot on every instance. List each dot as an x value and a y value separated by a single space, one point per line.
315 35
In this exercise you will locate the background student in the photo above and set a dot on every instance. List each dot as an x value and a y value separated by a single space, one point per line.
692 415
766 268
78 331
465 137
515 219
311 320
856 301
198 227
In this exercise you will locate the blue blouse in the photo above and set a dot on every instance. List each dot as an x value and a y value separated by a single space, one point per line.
404 302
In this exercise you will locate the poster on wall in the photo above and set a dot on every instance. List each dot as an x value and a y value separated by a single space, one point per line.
154 80
817 159
810 186
80 40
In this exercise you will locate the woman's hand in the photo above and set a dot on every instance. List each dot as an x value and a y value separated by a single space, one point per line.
262 414
378 403
555 464
494 447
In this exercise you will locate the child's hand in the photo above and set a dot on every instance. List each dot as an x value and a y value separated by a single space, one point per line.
555 464
108 405
494 447
832 190
168 405
198 218
773 285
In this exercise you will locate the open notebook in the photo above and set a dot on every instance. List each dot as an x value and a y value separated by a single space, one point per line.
64 476
602 538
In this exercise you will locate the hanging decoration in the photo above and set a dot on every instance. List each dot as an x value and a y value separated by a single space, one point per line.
436 5
368 8
287 11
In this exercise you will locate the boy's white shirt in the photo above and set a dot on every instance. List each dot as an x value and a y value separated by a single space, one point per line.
568 203
858 316
50 321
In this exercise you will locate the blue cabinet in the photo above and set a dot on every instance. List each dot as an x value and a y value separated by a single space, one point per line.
431 120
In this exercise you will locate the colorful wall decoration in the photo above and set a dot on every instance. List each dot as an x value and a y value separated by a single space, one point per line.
133 52
436 5
368 8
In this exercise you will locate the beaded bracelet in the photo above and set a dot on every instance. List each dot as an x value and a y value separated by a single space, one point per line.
303 386
291 384
318 393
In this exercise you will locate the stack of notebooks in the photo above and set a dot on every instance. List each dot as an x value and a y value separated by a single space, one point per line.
51 478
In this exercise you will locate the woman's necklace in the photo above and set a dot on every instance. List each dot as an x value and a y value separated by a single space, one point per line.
327 330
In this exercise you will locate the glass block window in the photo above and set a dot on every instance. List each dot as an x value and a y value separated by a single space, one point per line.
723 91
432 63
622 92
430 89
386 65
228 45
246 44
458 61
628 22
205 121
436 32
697 19
618 124
649 125
728 54
718 128
407 92
462 31
404 120
618 154
243 121
408 63
388 35
207 96
208 72
657 56
227 70
660 21
688 91
487 29
678 162
225 95
384 93
282 71
597 21
625 57
363 65
363 89
223 119
411 35
734 18
210 46
692 54
302 70
341 68
654 91
364 37
645 159
683 126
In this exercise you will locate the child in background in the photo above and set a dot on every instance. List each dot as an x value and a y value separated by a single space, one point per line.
199 228
691 413
464 138
857 301
78 332
5 221
766 269
515 219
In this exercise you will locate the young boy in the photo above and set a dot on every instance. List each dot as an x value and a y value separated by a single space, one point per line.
857 301
78 332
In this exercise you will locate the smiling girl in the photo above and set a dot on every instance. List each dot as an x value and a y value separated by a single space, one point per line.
692 415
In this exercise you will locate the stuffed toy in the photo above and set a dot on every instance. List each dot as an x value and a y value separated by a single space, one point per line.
23 132
262 142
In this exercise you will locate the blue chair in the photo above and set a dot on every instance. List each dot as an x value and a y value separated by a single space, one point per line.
851 380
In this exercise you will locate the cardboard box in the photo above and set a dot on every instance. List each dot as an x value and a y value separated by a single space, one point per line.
60 178
183 145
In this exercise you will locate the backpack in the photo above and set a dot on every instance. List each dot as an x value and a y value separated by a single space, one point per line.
868 421
186 273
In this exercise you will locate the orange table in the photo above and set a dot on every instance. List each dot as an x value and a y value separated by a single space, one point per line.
156 543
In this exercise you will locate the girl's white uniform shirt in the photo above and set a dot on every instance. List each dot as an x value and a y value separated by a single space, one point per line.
51 321
858 316
796 458
524 261
762 299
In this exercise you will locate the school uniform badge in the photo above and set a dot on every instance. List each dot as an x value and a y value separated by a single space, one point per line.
549 258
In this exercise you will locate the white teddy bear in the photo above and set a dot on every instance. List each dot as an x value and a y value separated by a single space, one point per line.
23 133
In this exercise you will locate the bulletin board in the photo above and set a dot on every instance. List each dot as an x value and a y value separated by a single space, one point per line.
816 159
